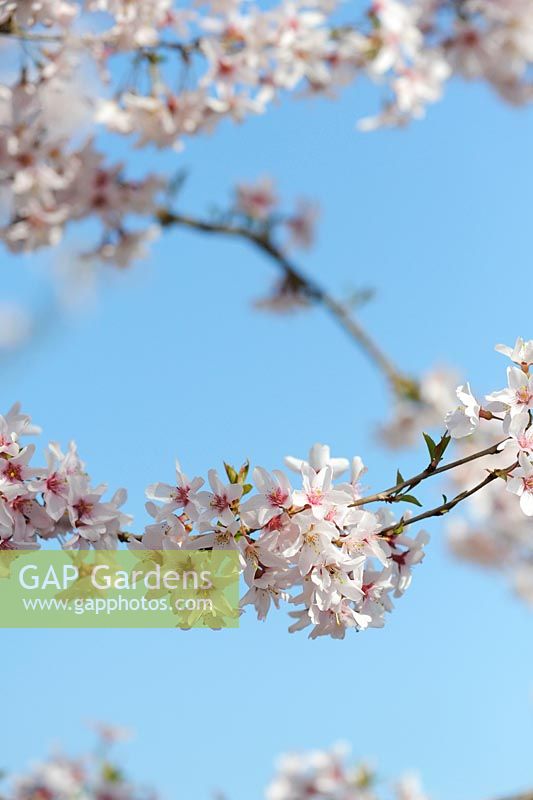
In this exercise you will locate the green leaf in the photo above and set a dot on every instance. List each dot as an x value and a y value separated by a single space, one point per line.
410 498
399 529
247 488
154 58
243 472
111 773
442 446
431 446
231 472
399 477
176 183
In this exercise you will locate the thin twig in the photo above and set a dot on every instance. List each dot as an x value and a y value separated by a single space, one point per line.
185 49
444 508
430 470
308 287
523 796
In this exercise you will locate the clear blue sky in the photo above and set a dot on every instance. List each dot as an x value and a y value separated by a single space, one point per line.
174 361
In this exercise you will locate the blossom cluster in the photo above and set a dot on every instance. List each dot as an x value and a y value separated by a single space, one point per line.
321 774
327 775
314 545
55 502
497 530
336 556
160 72
91 777
259 204
418 407
50 180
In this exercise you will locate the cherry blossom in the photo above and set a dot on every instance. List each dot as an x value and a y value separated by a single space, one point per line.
465 419
53 502
274 498
328 774
182 495
521 353
304 545
236 60
521 483
257 200
517 397
317 492
218 503
319 457
319 544
420 406
496 529
520 433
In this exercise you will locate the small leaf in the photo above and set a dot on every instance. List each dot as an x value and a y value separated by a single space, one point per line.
243 472
442 447
410 498
399 477
431 446
231 472
111 773
400 527
247 488
176 183
154 58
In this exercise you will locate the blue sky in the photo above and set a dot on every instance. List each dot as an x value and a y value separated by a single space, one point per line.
174 361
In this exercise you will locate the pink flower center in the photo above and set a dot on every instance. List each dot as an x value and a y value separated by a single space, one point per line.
315 497
5 544
181 495
55 484
523 395
278 497
275 524
13 472
83 508
42 793
525 441
225 68
528 483
20 504
223 537
220 502
399 558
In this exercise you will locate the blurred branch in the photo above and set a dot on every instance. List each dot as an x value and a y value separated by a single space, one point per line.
309 288
524 796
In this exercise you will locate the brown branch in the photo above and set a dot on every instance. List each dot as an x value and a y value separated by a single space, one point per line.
444 508
186 50
524 796
308 287
428 472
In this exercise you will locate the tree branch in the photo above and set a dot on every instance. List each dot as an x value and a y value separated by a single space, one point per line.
429 471
524 796
444 508
313 291
8 30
